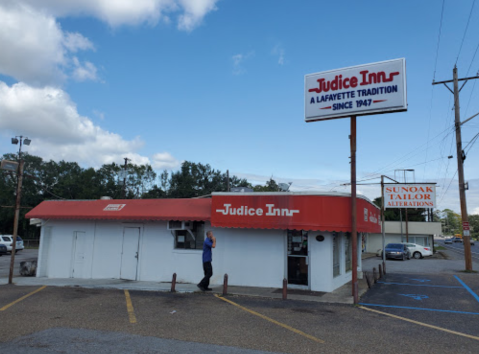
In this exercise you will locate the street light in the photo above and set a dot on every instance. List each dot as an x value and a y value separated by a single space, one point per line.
18 139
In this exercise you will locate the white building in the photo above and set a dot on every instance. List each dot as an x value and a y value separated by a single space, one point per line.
262 238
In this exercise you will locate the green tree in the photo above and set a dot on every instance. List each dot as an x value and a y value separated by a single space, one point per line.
474 224
196 179
270 186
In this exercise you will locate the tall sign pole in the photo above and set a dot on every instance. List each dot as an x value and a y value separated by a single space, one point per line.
383 226
354 234
375 88
460 164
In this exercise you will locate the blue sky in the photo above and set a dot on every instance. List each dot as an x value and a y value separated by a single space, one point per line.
222 82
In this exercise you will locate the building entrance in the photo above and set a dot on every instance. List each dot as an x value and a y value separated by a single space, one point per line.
298 257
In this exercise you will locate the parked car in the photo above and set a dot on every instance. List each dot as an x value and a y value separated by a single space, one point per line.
472 242
3 250
418 251
7 240
397 251
457 239
448 241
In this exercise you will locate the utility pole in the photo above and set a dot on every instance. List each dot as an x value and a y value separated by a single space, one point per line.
18 199
460 163
15 221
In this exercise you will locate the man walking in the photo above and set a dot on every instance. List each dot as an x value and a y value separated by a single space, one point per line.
210 242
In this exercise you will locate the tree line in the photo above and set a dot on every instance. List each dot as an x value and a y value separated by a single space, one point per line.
51 180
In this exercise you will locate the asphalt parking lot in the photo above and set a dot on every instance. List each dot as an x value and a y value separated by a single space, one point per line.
431 313
447 301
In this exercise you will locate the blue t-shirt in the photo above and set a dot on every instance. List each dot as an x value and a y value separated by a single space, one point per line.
207 256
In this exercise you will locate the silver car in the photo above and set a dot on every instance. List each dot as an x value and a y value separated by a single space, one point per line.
7 240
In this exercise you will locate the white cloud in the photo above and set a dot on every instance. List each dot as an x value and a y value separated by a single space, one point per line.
194 11
58 131
131 12
84 72
35 50
75 41
238 60
165 161
278 50
31 45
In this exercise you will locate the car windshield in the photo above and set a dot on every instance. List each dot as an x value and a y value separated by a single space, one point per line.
19 238
394 245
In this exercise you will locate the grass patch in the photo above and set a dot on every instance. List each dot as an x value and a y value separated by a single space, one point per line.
440 248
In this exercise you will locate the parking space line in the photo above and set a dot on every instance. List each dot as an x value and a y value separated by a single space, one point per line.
129 307
419 308
425 285
467 288
297 331
22 298
421 323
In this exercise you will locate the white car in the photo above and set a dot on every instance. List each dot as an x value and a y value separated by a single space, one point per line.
7 241
418 251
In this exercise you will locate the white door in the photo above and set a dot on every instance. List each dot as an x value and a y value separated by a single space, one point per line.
129 254
78 255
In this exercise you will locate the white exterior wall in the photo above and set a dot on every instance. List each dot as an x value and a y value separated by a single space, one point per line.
321 262
250 257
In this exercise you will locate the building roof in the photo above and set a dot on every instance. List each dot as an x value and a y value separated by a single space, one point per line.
300 211
124 209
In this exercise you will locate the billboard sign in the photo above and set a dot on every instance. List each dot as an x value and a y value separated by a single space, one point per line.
410 196
359 90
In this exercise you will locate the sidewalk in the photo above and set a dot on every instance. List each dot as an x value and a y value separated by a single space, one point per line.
341 295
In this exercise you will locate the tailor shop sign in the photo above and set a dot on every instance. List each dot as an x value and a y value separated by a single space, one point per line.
410 196
359 90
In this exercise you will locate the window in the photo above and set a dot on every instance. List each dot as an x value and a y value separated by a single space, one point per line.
347 252
191 239
335 254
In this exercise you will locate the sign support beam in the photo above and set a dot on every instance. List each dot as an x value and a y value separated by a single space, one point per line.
354 234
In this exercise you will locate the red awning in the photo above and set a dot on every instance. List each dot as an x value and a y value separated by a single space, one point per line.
293 211
125 209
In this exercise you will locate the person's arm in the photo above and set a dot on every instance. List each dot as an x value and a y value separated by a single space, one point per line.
214 242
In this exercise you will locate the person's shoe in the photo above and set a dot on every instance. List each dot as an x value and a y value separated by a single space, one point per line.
201 287
208 289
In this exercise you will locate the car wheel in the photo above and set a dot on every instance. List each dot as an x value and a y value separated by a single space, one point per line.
417 255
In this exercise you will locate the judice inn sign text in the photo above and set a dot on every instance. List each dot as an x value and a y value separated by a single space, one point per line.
271 210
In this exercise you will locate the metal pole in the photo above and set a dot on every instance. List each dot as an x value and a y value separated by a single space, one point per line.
354 239
124 178
460 169
407 229
227 180
383 222
16 218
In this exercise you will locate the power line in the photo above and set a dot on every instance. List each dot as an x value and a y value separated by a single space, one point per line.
438 40
452 179
465 31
